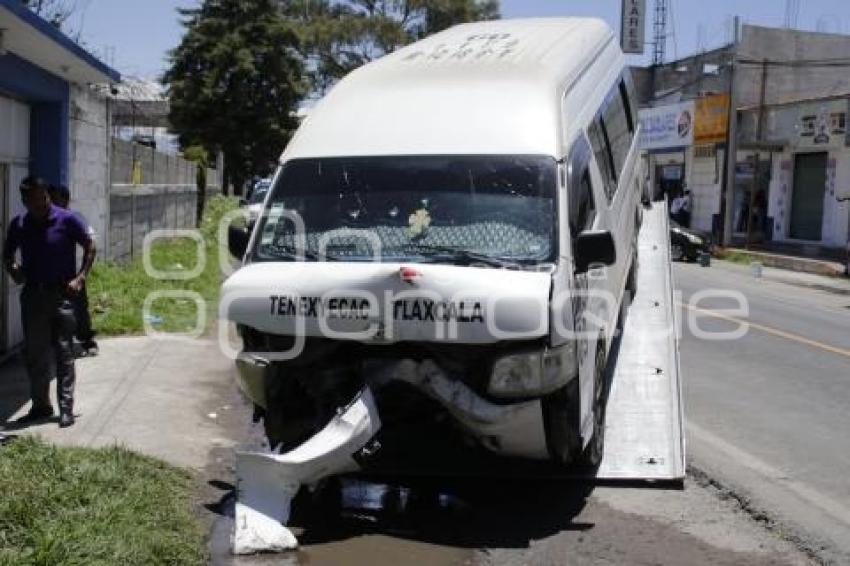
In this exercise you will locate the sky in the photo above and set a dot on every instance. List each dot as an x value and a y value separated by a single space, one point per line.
134 36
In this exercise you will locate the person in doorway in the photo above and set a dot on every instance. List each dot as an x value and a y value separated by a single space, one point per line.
676 207
61 197
47 237
685 213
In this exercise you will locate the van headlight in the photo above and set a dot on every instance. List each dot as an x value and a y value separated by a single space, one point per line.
532 374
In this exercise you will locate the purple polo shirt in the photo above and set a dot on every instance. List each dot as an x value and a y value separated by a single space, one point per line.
48 248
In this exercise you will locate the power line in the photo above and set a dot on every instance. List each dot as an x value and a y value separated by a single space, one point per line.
792 13
838 62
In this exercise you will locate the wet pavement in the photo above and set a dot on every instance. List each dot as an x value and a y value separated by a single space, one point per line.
401 519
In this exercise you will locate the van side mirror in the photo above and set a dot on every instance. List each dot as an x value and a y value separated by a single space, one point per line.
237 240
594 247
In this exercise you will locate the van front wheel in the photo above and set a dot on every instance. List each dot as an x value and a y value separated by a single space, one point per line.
592 455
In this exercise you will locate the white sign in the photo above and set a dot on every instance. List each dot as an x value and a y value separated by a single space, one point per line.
666 127
633 29
822 125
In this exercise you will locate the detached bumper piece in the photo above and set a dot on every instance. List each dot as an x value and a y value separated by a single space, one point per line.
267 483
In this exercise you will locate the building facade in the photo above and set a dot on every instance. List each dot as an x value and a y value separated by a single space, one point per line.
52 125
792 165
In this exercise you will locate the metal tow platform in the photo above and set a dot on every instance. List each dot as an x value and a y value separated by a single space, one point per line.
644 429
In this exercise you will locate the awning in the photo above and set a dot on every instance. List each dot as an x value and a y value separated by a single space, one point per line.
37 41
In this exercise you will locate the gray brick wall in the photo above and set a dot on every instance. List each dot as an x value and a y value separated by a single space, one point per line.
137 210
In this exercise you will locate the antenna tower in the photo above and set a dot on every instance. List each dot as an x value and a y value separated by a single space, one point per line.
660 30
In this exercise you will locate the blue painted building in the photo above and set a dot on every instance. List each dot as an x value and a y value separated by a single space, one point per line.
40 70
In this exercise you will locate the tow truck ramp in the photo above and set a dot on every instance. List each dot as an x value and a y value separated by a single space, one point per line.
644 428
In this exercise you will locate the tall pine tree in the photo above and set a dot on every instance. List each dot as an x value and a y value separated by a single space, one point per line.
340 35
235 82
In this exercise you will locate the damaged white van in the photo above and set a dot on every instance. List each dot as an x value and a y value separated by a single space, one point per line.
459 217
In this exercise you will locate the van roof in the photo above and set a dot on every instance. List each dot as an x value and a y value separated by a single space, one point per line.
482 88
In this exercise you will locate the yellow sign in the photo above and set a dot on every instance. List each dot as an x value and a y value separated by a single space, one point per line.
712 119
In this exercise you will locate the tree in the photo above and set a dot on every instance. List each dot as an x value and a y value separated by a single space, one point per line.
340 35
234 84
56 12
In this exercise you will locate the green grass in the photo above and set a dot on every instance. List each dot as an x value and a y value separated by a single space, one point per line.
78 506
737 257
117 292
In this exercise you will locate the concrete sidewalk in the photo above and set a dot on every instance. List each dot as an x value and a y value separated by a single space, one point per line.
793 263
835 285
163 398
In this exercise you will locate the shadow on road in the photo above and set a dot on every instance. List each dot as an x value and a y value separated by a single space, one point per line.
466 513
462 513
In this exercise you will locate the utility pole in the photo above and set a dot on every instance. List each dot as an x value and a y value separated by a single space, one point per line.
757 157
731 141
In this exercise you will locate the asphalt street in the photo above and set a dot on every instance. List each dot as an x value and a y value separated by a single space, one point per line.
767 413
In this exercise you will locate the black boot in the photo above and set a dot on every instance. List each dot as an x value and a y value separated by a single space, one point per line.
66 419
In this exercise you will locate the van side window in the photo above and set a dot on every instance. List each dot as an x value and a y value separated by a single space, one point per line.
616 124
624 94
631 95
582 207
604 158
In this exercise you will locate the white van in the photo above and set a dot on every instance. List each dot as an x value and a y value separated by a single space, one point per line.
460 217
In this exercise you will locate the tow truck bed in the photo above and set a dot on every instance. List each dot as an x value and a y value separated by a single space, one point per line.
644 429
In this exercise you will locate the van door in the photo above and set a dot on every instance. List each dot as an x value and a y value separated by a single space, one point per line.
603 178
591 289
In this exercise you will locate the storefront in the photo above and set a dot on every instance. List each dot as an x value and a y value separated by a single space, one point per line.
792 183
685 145
667 136
808 189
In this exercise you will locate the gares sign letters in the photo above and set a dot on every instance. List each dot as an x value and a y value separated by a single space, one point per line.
633 30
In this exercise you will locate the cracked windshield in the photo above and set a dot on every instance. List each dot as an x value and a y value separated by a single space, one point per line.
441 209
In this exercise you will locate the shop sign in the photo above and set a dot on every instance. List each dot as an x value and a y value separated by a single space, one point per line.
822 125
711 119
670 126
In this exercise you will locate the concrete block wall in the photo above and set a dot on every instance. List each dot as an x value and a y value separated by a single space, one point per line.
790 82
156 168
166 199
138 210
89 159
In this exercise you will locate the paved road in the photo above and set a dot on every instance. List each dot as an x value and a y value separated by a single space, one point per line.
769 414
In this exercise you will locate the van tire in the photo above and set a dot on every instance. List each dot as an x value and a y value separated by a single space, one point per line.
591 457
632 280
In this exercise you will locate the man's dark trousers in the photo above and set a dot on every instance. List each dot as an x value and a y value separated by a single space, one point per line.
48 320
84 332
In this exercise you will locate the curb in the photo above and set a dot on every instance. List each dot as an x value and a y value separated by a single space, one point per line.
788 279
799 264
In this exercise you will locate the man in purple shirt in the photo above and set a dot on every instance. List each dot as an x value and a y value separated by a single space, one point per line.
47 237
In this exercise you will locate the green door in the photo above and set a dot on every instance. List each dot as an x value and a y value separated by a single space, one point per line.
807 196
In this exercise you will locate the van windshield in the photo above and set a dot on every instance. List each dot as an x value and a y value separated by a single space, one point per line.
451 209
